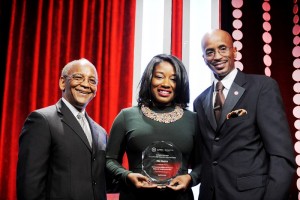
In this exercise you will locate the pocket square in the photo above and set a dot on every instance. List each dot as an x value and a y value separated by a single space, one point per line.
236 113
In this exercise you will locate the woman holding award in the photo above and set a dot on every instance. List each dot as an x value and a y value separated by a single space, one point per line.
159 136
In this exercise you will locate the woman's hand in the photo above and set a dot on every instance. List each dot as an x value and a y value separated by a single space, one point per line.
140 181
181 182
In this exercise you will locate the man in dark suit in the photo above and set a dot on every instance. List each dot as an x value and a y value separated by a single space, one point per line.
58 157
247 152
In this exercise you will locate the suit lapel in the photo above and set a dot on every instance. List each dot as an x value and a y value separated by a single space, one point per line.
208 108
99 137
94 133
235 93
68 118
233 97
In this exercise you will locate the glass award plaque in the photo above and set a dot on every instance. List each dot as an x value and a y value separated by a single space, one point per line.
161 162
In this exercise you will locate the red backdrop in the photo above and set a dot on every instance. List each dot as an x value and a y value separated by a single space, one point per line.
176 32
42 37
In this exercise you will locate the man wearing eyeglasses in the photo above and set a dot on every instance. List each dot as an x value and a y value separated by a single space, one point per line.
62 150
247 152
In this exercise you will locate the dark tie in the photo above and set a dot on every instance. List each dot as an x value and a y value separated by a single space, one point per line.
219 101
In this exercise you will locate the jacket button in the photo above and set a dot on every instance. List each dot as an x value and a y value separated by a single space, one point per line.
217 139
215 163
94 183
94 159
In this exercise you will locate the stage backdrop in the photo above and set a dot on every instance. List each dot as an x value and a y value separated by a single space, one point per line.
39 38
266 35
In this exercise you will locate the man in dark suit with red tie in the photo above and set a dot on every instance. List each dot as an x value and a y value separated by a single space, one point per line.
57 158
247 154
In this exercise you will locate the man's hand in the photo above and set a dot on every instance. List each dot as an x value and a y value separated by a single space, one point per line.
180 182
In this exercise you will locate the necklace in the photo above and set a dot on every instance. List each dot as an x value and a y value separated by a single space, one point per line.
169 117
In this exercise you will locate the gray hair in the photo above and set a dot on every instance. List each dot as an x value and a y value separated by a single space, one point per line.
68 66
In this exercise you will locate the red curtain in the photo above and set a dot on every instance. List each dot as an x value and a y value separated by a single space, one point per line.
177 17
43 37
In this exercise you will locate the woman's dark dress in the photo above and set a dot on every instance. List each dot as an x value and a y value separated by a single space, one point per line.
132 132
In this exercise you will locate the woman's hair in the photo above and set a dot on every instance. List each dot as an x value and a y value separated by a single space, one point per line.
182 91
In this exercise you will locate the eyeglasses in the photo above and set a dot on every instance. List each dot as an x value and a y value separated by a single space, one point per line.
79 78
211 53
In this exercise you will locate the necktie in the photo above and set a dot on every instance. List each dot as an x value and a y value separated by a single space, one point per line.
219 100
84 125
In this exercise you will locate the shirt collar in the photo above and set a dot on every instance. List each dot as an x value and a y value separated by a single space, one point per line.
72 108
227 80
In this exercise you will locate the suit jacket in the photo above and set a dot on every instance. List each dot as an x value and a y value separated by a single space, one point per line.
249 156
56 160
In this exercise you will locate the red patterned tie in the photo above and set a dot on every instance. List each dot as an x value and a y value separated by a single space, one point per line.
219 101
